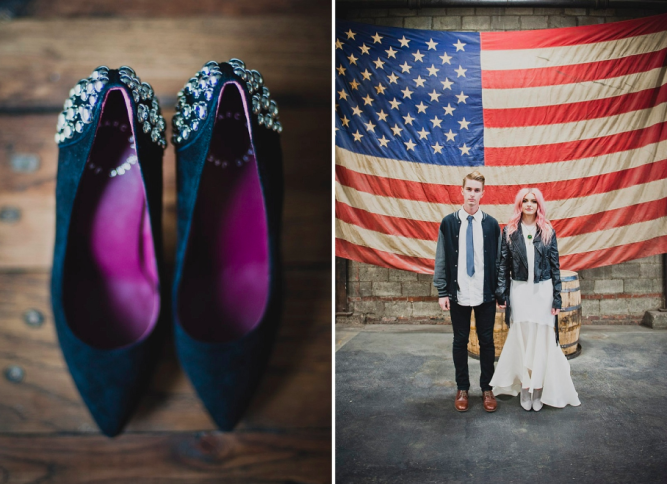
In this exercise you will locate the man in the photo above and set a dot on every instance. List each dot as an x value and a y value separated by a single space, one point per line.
465 276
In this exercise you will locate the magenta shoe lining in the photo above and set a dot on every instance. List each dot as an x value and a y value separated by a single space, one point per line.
224 288
111 286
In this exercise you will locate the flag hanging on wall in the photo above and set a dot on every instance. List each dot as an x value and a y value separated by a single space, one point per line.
580 113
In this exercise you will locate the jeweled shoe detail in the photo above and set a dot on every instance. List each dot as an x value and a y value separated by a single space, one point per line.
195 99
148 107
78 108
84 97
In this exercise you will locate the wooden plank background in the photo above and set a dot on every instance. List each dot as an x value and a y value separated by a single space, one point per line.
46 433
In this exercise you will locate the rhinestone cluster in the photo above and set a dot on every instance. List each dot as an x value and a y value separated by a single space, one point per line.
148 107
79 107
192 105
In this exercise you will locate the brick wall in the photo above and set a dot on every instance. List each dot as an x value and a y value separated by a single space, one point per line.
618 294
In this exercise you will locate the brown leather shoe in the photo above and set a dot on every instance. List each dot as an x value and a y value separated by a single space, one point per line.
490 404
461 402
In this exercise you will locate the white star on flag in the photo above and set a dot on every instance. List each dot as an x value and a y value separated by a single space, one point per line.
408 119
379 89
397 130
345 121
339 44
423 134
353 60
383 141
419 81
459 46
465 150
450 135
462 97
391 53
370 126
379 64
350 34
405 67
446 84
449 109
382 116
407 93
410 145
342 94
366 75
460 72
418 56
394 104
357 136
445 58
356 111
393 78
364 49
436 122
377 39
464 124
432 71
368 100
404 42
434 95
431 44
437 148
421 107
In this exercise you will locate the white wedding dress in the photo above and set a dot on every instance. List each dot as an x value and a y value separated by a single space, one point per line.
531 358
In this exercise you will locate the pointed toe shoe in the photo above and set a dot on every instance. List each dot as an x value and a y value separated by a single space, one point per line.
227 291
105 281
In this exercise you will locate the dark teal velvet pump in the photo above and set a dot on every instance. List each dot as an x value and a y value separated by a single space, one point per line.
105 281
227 289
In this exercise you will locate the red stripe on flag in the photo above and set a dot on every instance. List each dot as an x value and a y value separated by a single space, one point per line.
573 150
501 194
619 217
384 224
417 229
589 34
591 71
568 113
351 251
614 255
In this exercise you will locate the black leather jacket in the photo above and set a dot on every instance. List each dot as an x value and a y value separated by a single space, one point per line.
513 264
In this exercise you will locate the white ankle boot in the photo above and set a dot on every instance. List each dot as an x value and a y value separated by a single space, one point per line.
526 402
537 400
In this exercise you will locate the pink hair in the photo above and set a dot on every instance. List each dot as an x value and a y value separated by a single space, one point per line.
543 224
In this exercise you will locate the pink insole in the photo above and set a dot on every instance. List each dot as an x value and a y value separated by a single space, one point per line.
225 283
111 281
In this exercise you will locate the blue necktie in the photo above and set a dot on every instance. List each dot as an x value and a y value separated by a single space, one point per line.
470 250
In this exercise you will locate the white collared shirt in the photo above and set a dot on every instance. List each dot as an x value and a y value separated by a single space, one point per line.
471 289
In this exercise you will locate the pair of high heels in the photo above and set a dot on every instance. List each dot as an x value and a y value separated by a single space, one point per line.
108 299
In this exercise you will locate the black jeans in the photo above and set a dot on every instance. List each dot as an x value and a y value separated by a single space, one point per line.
485 315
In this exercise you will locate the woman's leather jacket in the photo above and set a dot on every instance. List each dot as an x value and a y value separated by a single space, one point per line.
513 264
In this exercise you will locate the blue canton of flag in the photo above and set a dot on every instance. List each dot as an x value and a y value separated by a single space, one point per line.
415 98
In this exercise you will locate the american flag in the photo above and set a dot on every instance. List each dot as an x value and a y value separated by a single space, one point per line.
580 113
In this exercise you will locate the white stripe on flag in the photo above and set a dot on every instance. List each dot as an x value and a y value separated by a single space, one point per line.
579 130
559 209
502 60
521 175
528 97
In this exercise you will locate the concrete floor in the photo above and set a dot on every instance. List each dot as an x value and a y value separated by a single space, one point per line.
396 423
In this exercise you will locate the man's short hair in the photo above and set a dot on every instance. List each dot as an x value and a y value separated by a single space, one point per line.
475 175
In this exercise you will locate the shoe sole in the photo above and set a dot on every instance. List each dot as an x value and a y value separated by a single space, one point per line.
464 410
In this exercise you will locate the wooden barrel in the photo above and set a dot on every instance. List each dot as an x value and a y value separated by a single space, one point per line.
500 330
569 319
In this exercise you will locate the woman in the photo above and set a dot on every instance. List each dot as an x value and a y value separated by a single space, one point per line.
529 280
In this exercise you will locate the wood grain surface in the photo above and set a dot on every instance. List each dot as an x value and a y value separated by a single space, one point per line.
46 432
41 60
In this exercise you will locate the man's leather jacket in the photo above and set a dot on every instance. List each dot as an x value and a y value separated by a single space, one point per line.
513 264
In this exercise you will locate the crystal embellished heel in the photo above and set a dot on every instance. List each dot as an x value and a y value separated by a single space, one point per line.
227 278
105 284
